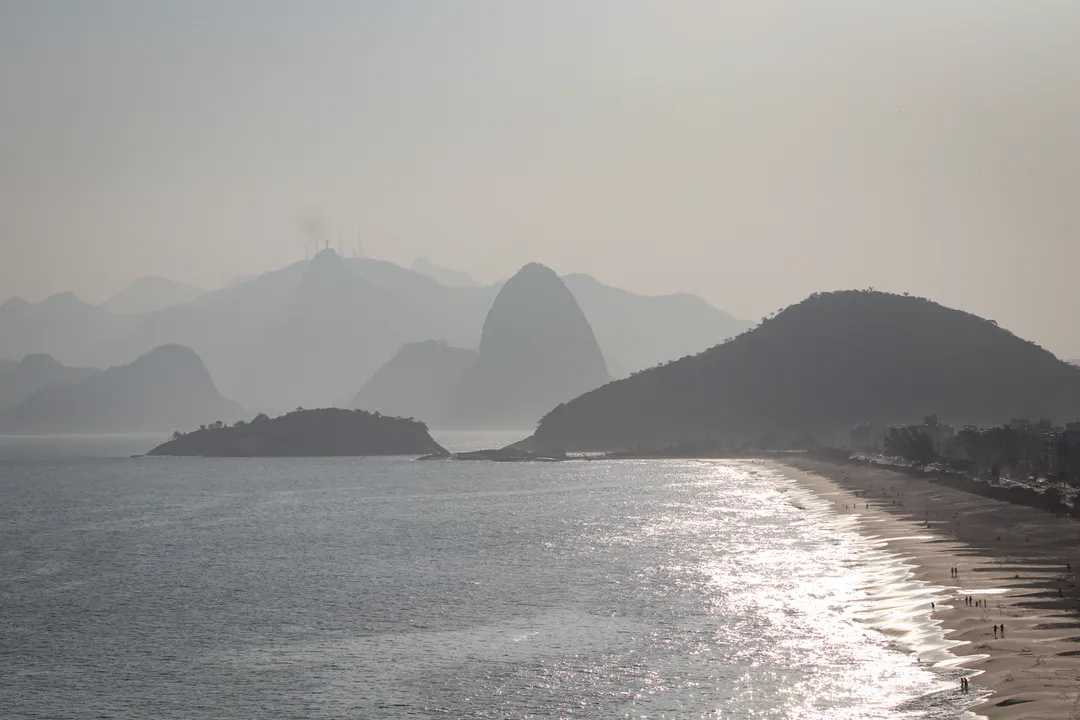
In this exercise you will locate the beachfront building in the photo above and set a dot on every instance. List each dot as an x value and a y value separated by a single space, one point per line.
1071 434
868 438
942 435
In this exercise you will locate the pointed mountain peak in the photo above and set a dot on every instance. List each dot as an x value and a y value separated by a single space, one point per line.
536 350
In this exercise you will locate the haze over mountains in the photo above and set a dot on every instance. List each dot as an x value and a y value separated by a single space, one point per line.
420 381
826 364
312 333
20 380
446 276
165 389
150 294
537 350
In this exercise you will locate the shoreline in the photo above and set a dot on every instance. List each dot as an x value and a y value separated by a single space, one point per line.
1013 556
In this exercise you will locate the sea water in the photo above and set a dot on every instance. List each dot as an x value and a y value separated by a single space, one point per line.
389 588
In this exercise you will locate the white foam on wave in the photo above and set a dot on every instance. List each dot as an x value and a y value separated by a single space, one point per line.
896 604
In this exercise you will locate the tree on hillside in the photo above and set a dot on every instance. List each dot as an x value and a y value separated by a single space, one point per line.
910 443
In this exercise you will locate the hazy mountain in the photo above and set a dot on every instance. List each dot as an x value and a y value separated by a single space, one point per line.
62 326
313 332
168 388
418 382
150 294
446 276
1074 361
829 362
236 280
640 331
339 328
536 350
20 380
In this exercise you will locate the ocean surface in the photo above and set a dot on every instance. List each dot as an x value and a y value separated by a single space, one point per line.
388 588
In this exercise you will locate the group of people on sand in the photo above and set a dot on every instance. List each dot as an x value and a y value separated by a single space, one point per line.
964 687
999 628
974 602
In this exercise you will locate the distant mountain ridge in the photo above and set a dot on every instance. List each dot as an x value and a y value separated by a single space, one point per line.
167 388
537 349
827 363
677 324
64 327
446 276
20 380
313 332
150 294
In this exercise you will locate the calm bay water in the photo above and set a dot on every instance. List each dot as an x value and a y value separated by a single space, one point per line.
387 588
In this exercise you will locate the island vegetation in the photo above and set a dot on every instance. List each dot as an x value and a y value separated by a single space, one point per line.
329 432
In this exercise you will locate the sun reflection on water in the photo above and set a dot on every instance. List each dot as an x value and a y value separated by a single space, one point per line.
808 610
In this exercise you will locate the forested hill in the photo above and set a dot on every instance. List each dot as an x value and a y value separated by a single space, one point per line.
832 360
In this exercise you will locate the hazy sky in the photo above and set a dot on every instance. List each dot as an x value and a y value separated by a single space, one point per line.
751 151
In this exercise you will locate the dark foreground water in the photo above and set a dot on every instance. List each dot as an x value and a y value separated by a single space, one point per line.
387 588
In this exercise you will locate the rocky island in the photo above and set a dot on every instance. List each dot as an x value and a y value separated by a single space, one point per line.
329 432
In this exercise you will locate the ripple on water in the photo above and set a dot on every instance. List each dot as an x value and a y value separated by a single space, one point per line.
387 588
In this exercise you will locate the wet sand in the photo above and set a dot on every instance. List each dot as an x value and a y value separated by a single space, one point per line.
1011 556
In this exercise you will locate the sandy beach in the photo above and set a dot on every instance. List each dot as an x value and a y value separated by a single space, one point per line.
1019 563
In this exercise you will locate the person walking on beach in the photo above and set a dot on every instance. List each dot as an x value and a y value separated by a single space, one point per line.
995 632
1002 631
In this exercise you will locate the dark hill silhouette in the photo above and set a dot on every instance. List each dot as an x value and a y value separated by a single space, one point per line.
446 276
418 382
536 350
829 362
640 331
20 380
150 294
328 432
167 388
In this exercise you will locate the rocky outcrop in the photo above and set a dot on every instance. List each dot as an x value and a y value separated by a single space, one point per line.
330 432
537 350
